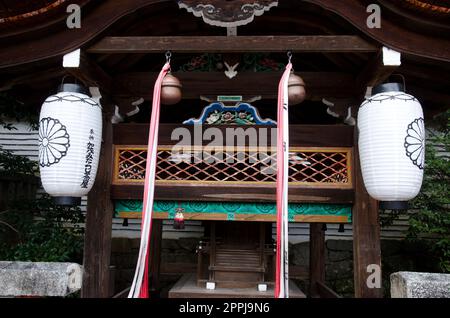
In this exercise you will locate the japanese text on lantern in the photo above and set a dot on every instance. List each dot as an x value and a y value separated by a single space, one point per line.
89 160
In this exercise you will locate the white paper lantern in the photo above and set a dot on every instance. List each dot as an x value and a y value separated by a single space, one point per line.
391 145
70 135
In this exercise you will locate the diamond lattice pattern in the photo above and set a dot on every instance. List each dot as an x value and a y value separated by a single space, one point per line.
234 166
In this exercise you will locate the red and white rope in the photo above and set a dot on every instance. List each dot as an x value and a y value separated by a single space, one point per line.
282 247
139 288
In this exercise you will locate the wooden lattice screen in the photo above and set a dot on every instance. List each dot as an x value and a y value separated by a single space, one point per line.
321 167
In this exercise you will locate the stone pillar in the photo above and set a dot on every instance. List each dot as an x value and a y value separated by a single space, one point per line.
420 285
39 279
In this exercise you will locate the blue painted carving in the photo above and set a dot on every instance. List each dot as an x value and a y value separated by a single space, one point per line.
219 114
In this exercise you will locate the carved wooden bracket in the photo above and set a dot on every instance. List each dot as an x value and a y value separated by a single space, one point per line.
227 13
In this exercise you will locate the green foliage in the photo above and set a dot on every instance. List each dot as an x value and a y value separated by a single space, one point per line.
40 231
33 229
11 164
12 108
431 222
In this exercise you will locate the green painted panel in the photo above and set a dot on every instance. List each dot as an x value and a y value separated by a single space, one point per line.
233 208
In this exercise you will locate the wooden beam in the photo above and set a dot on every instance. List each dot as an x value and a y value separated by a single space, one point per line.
334 219
8 82
234 193
106 13
223 44
379 68
300 135
91 74
316 258
195 84
366 235
100 209
398 37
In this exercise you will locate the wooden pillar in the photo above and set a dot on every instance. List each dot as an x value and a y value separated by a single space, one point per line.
212 249
262 245
155 255
366 235
316 257
97 241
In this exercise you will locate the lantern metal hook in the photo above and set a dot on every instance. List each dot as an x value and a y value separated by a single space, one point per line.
68 75
403 79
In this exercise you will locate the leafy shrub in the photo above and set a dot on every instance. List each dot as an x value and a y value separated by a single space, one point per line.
12 108
431 222
35 229
11 164
40 231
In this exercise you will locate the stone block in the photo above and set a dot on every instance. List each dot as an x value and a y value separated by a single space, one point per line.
339 270
299 254
338 256
420 285
39 279
339 245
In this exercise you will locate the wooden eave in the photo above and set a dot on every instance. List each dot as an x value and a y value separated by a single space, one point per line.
106 14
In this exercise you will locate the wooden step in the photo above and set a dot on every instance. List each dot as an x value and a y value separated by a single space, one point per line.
187 287
235 250
237 269
236 263
239 258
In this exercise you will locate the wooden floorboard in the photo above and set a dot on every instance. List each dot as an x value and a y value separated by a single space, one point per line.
186 287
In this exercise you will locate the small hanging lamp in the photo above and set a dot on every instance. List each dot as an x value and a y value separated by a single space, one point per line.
296 89
296 86
70 135
391 145
170 90
178 222
170 86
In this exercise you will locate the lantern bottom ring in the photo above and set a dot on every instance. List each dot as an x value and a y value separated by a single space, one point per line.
72 201
394 205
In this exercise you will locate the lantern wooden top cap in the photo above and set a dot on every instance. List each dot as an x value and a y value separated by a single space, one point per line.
73 88
388 87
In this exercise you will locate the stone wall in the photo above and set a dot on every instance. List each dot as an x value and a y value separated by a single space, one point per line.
124 253
338 264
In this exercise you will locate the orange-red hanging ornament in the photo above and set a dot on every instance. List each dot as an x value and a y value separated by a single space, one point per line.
178 222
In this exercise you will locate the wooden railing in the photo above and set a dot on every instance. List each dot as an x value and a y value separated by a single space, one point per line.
320 165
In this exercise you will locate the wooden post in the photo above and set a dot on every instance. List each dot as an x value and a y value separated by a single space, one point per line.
155 253
366 235
262 244
212 250
97 240
316 257
199 265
